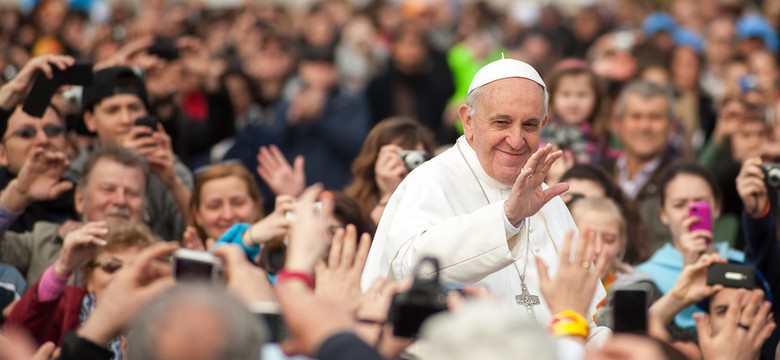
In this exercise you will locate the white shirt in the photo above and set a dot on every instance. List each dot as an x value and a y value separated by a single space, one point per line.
439 210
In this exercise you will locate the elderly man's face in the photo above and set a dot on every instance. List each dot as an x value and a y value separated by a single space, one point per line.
645 127
25 133
505 129
113 193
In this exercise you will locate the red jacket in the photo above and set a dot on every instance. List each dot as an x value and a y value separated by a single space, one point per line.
49 320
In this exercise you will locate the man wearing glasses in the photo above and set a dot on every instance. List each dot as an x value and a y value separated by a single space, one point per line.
22 134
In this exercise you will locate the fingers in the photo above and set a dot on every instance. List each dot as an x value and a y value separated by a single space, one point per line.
60 188
566 249
555 191
334 259
582 247
703 327
544 278
350 246
44 352
151 253
362 252
299 164
232 255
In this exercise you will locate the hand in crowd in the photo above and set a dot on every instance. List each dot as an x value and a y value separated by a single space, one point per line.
338 280
247 281
15 91
157 150
191 240
78 245
15 345
373 326
527 196
132 53
273 225
389 170
693 243
575 282
307 105
691 286
747 324
38 180
276 171
727 123
131 289
751 187
309 233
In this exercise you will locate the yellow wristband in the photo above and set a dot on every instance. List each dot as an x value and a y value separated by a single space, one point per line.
569 323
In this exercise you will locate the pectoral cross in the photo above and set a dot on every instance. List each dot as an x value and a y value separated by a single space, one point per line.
527 299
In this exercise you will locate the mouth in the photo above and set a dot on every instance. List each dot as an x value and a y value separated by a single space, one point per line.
513 153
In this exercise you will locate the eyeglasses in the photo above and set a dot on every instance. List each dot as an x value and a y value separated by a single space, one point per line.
109 266
28 133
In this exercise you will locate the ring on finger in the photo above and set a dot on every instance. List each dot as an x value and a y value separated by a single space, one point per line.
585 265
743 326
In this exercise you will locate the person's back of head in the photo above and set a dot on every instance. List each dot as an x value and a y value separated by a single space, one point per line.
195 322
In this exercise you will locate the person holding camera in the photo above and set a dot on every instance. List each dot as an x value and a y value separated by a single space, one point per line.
481 207
112 105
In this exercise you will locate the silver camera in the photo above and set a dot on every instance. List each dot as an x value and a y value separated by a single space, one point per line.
772 175
413 158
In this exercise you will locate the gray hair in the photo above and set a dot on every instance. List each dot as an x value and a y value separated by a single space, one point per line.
241 330
645 90
473 99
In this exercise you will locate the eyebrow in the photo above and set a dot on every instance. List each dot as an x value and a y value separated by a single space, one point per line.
500 117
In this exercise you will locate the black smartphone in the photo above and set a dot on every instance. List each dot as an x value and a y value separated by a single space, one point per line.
731 275
148 121
164 48
629 311
269 315
44 88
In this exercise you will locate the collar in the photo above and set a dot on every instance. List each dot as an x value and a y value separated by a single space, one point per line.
473 162
647 170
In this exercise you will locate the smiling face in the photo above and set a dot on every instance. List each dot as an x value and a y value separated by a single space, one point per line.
225 202
113 193
574 99
505 128
26 133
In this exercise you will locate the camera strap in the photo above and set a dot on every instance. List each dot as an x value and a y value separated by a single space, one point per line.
525 297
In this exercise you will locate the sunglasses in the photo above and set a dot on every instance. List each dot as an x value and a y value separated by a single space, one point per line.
109 267
28 133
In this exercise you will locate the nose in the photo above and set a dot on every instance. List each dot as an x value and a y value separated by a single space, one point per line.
41 139
516 139
127 117
120 197
227 213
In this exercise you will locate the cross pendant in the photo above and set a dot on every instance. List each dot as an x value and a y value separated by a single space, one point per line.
527 299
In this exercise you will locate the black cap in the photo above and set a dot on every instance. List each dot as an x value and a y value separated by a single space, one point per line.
113 81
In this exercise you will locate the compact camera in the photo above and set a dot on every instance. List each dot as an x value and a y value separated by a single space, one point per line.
427 297
413 158
772 175
192 265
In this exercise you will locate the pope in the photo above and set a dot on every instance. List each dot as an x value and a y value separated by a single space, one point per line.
481 207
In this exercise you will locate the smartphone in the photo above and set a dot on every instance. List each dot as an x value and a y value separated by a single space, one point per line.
148 121
164 48
192 265
731 275
44 88
270 316
701 210
629 311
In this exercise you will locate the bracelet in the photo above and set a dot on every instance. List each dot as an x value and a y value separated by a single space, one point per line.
569 323
285 275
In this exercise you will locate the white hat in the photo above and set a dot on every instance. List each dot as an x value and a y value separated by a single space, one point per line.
503 69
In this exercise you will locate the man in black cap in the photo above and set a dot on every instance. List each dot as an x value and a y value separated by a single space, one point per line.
111 105
22 134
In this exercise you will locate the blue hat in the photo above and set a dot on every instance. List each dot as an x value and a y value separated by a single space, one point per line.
658 21
754 25
687 38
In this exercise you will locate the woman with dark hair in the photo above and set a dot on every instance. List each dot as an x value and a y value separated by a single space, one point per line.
587 180
379 167
682 185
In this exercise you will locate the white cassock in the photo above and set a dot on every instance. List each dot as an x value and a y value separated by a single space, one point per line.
439 210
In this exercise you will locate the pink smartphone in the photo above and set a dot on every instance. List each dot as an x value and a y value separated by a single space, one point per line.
701 210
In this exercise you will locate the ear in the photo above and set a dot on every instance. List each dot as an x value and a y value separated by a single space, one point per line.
78 198
467 120
662 215
544 121
715 210
3 156
89 121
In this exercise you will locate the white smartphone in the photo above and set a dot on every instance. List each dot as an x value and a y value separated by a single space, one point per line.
193 265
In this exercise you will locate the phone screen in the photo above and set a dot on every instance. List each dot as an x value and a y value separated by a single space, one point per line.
188 269
629 311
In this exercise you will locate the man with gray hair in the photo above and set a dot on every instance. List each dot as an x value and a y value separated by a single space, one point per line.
480 207
644 125
195 322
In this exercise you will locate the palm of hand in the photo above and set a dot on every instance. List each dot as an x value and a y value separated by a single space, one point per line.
43 183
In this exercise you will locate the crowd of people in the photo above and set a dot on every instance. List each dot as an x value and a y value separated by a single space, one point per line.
390 179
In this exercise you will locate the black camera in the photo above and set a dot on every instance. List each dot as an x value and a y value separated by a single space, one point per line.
772 175
427 297
413 158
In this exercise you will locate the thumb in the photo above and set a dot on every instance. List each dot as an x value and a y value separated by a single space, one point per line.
298 164
703 327
44 352
555 190
59 188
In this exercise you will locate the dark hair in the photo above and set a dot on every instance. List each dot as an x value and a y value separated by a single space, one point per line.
349 211
693 169
638 248
574 67
117 154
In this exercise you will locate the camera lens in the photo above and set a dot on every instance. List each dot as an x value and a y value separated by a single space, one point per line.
773 178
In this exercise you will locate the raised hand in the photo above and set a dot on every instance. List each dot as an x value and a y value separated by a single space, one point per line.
15 91
248 282
691 286
747 325
751 187
38 180
78 245
272 226
309 234
693 243
274 169
339 279
575 282
527 196
389 169
191 240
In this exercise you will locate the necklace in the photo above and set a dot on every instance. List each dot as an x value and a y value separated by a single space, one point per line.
525 297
